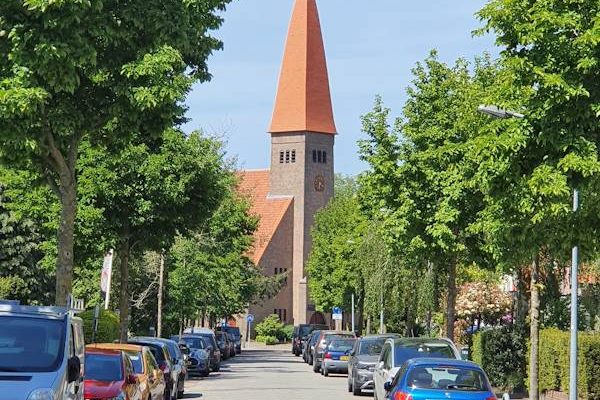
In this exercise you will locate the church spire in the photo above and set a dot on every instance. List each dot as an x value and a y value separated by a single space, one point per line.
303 101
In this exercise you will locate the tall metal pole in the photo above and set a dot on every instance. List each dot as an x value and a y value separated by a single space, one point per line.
381 332
353 326
160 294
574 301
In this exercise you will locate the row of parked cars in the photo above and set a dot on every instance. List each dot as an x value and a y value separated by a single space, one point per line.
392 367
43 356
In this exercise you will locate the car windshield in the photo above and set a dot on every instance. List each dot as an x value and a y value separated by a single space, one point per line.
305 330
193 342
103 367
371 347
31 344
406 351
136 361
173 350
447 378
314 337
341 345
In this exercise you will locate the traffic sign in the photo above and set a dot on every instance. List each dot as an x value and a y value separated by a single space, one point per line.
337 314
250 318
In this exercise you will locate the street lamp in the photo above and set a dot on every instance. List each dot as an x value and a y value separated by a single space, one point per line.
504 114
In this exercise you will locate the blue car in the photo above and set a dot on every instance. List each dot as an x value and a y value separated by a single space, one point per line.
439 378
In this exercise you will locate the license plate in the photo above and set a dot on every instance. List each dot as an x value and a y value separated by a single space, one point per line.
344 358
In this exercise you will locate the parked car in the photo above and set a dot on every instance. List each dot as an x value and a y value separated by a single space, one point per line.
46 345
109 374
435 378
235 331
337 355
212 347
301 334
363 359
309 346
199 362
151 378
396 352
160 351
223 343
321 344
232 344
180 365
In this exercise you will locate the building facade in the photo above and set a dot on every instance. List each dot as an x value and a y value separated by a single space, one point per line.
301 176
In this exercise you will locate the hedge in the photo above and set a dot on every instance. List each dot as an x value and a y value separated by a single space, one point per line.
268 340
108 326
554 363
501 353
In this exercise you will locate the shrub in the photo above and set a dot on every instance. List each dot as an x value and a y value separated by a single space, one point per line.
270 326
554 363
268 340
502 354
286 333
108 326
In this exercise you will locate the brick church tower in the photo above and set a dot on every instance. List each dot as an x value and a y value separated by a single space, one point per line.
302 138
300 181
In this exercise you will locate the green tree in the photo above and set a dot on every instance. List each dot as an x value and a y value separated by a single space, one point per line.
333 268
152 190
94 71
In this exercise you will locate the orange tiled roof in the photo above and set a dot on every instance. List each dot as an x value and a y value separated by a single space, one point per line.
255 185
303 99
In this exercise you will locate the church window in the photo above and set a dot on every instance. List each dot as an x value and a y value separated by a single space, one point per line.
319 156
314 156
324 157
293 156
281 157
287 156
284 315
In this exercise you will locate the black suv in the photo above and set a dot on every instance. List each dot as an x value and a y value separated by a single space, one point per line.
301 333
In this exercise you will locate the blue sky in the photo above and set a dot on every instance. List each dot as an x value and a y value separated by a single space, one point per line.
371 47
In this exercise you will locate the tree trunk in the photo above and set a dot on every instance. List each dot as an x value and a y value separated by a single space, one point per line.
534 331
160 294
361 313
451 302
522 303
66 232
124 295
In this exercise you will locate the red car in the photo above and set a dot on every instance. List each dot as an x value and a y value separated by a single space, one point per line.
109 374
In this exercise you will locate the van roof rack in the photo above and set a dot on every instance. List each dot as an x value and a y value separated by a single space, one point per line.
14 306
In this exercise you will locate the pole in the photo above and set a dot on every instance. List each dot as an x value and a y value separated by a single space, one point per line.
353 325
95 324
160 295
381 332
574 301
109 260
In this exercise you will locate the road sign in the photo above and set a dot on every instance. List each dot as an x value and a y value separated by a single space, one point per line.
250 318
337 314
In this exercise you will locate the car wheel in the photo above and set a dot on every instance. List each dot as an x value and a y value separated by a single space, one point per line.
217 368
180 394
315 367
325 372
350 384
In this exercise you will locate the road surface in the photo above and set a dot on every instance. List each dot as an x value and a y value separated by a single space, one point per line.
267 374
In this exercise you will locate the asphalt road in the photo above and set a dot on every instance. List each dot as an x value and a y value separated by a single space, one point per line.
267 374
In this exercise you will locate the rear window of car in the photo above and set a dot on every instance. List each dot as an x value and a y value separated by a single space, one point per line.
341 345
234 331
156 349
193 342
447 378
371 347
103 367
405 351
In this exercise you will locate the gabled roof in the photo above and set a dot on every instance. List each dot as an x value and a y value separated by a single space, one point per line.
303 100
255 186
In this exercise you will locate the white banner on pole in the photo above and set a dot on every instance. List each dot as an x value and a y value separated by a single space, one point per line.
106 277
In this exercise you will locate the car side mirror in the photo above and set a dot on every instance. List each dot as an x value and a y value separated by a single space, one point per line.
132 380
387 386
74 369
380 365
352 353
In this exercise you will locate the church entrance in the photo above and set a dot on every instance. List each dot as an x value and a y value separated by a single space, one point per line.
318 319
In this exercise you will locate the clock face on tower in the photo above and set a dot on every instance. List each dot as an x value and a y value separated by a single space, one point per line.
319 183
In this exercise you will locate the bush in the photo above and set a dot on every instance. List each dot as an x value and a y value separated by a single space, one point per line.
268 340
270 326
286 333
108 326
554 363
502 354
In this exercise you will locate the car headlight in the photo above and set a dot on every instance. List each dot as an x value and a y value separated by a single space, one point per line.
42 394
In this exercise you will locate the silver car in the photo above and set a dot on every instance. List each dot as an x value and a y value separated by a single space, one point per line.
397 351
42 351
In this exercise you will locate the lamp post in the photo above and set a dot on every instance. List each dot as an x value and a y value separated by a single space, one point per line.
504 114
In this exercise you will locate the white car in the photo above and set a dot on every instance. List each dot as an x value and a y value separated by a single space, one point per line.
397 351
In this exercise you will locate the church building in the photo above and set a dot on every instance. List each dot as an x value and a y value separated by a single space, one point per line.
300 179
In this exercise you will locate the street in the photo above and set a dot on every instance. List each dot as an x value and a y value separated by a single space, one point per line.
267 374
